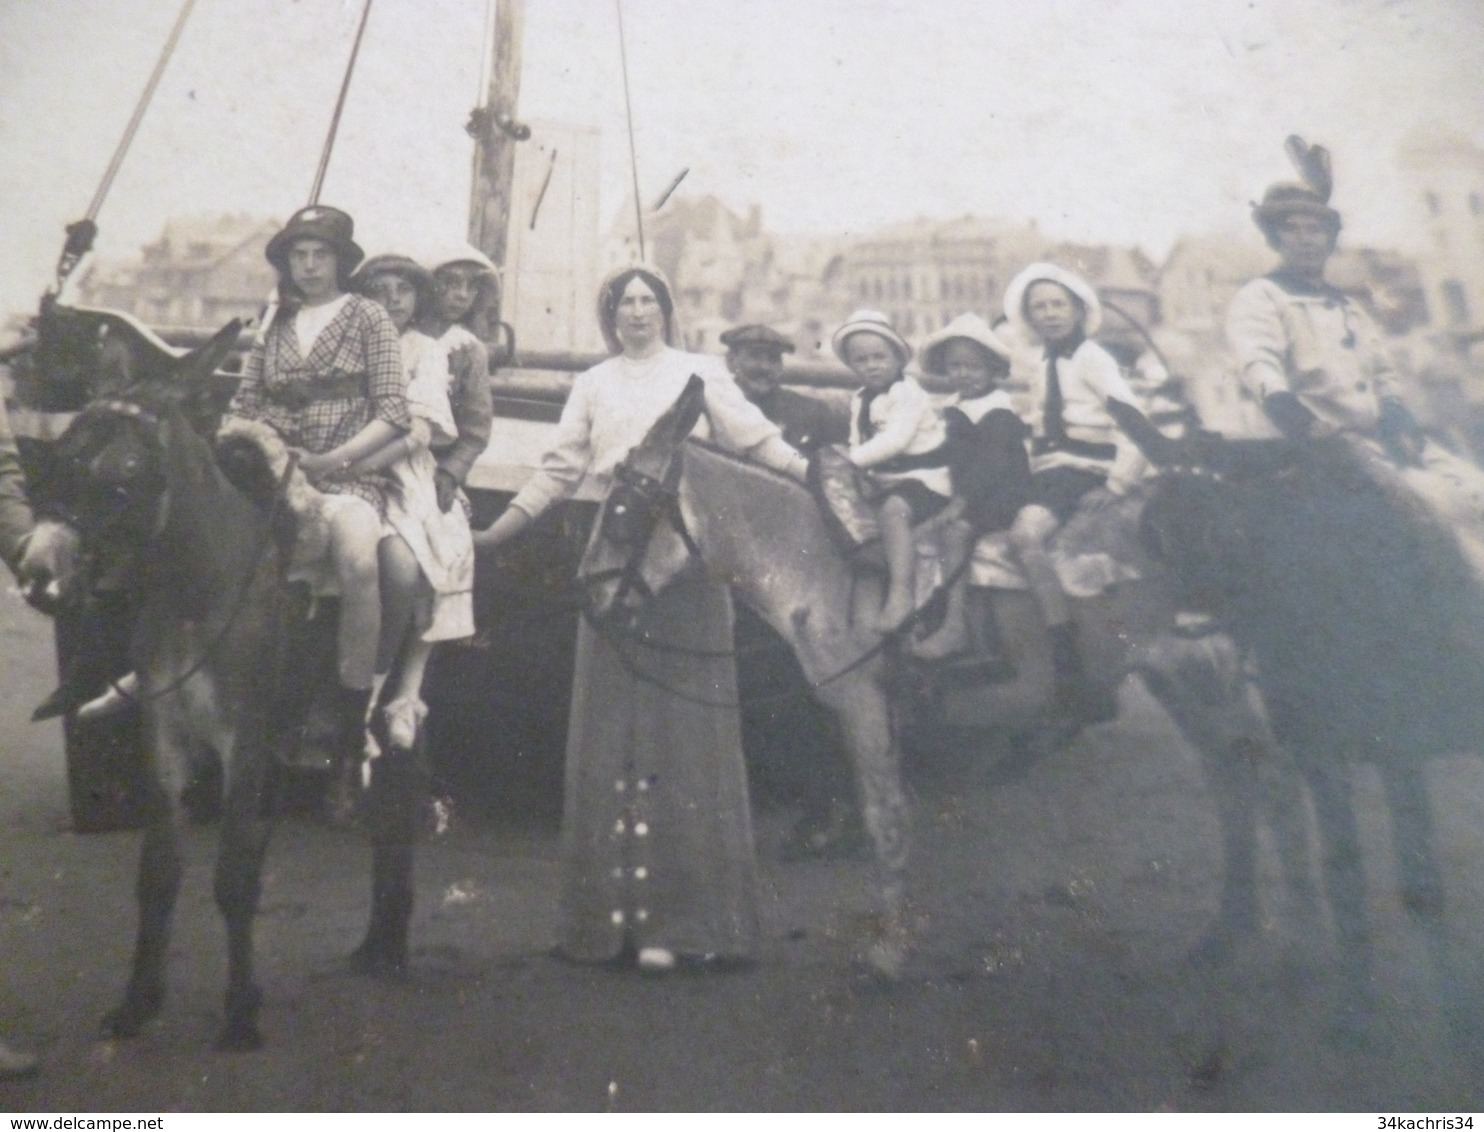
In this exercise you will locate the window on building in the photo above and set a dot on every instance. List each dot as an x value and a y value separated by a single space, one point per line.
910 323
907 287
1434 205
942 288
1455 302
1476 204
865 288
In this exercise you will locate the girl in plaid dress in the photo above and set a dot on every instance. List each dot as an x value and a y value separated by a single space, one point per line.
327 376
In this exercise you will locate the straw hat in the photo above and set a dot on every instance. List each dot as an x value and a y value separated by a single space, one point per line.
870 322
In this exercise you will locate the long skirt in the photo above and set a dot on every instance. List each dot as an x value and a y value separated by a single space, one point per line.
657 847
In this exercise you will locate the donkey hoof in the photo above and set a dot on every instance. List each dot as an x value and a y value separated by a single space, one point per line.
240 1037
141 1004
127 1020
1217 948
887 959
1423 902
241 1029
378 961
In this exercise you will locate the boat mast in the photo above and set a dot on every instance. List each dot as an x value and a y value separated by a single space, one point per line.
496 131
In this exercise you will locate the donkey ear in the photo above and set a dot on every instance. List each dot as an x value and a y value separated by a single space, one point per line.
1159 449
688 408
204 360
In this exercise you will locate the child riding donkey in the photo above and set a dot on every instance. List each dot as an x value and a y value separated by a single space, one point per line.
427 557
1081 459
897 435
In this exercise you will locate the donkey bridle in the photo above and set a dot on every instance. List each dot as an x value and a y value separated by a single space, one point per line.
135 412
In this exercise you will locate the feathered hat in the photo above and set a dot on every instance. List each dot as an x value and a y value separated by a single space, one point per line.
1308 198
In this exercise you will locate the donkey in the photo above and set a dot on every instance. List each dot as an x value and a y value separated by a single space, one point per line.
1367 625
205 562
760 531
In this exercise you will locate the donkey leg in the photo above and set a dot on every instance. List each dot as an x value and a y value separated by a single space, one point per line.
865 717
157 888
168 747
239 866
398 784
1197 682
1343 873
1412 835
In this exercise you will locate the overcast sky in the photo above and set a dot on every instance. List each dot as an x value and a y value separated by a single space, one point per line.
1108 120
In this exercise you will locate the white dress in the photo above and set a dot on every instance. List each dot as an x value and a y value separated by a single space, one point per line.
440 540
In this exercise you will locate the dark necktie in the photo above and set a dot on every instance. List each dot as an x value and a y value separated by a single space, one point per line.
1053 418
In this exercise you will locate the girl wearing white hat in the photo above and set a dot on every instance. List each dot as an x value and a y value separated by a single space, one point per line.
465 287
1077 446
897 433
427 556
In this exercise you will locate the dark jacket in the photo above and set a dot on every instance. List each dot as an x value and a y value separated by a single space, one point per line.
807 422
988 461
16 520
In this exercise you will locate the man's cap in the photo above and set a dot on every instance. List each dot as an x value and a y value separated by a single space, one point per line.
756 334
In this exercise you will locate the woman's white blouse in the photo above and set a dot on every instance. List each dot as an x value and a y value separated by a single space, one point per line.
612 407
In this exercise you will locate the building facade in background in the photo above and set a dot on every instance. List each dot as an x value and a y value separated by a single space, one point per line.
202 272
1446 179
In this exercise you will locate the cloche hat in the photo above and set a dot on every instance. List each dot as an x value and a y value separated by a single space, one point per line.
317 222
405 266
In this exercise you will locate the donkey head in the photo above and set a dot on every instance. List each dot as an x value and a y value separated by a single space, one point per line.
106 476
639 545
1198 520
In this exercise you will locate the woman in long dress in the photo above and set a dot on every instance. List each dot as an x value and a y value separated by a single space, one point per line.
657 853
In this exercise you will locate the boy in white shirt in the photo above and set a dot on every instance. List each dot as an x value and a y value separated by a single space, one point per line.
898 435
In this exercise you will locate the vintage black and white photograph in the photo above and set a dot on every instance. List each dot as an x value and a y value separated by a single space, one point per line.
829 555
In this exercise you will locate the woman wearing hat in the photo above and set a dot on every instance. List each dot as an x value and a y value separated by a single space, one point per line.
657 854
1080 458
1319 366
327 377
426 557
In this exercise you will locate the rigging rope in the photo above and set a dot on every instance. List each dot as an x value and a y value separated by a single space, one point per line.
623 58
139 109
81 233
350 66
